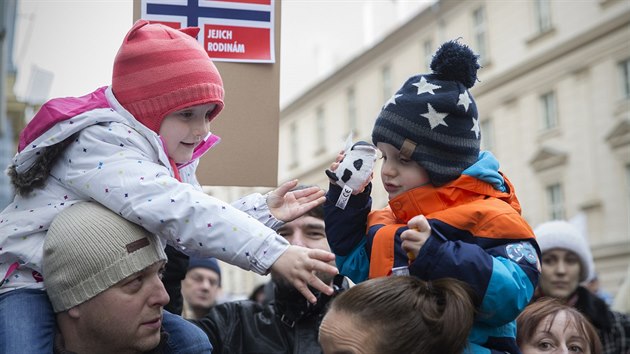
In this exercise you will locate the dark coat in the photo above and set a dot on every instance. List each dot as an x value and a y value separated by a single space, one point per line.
288 324
60 348
613 327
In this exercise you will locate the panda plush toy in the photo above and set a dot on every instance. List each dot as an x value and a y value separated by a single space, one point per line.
354 171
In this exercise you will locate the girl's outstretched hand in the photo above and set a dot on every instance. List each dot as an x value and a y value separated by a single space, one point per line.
286 205
299 266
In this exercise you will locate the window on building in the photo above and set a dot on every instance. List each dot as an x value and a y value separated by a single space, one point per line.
427 52
386 79
320 129
542 15
479 34
352 111
487 134
549 111
555 200
624 68
294 144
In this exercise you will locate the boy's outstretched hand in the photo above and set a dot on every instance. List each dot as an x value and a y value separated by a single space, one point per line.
414 238
287 206
298 265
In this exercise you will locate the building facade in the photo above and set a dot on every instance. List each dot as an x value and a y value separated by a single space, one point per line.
553 98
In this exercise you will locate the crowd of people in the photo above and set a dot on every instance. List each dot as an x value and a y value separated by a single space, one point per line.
110 244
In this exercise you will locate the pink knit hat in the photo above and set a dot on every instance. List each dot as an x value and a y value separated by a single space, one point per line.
159 70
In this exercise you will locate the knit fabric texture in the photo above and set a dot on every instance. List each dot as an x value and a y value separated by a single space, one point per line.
433 117
561 234
159 70
208 263
88 249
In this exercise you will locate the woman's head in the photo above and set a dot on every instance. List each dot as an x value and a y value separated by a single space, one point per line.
399 315
566 258
160 70
548 326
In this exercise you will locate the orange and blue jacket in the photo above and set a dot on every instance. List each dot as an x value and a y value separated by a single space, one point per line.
477 236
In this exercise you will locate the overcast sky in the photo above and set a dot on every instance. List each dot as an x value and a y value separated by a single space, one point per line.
77 40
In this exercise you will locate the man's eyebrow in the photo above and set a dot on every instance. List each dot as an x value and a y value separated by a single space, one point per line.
314 226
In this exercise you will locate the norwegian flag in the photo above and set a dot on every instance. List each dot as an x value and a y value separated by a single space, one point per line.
232 30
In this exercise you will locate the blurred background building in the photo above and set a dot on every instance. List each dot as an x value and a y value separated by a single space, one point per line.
553 97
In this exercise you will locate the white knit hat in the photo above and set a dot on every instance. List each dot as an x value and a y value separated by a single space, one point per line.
561 234
88 249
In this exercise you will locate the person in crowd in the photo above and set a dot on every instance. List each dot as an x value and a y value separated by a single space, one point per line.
287 323
566 261
451 212
400 314
102 274
593 284
549 326
201 287
258 294
134 147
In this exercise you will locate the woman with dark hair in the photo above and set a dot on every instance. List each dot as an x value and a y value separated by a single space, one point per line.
399 315
549 326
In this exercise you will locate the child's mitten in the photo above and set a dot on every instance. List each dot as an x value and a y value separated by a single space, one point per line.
354 171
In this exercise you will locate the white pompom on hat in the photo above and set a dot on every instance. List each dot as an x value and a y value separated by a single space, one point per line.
564 235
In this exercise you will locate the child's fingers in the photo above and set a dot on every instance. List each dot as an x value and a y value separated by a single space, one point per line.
324 257
409 250
309 193
285 187
312 204
319 263
315 194
419 223
410 239
318 284
305 291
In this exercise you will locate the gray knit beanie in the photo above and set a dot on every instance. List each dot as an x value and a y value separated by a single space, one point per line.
563 235
433 118
88 249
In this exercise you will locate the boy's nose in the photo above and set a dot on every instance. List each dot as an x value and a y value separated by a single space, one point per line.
387 170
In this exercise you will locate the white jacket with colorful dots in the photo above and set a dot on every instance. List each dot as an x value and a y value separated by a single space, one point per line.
118 162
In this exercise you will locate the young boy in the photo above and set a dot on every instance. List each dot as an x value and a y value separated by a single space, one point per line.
451 213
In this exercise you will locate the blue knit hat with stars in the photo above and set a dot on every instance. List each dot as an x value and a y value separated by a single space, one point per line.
433 118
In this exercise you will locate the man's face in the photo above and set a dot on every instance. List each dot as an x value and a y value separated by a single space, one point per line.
560 275
307 231
127 317
200 288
